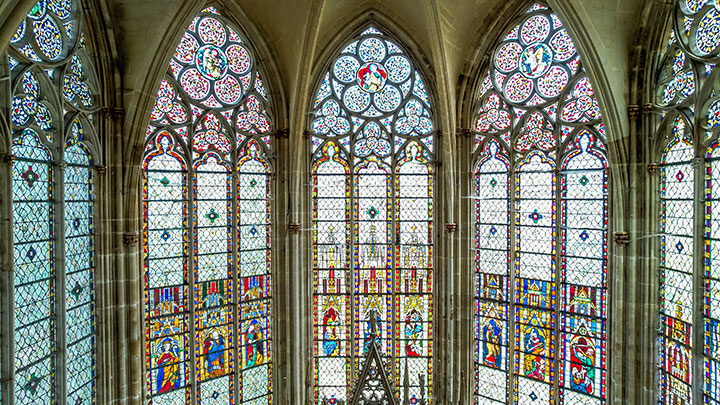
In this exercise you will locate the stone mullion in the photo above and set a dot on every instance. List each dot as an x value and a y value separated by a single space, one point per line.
558 276
7 274
235 266
60 314
465 322
698 287
193 383
513 223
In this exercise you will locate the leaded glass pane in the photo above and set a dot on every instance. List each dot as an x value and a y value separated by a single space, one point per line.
166 267
255 286
34 306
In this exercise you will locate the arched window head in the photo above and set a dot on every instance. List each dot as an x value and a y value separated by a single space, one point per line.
685 145
373 145
54 97
207 210
541 222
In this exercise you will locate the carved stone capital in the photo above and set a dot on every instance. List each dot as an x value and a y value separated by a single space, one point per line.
463 132
294 228
621 238
652 168
282 133
307 134
130 239
647 109
100 170
9 159
633 110
451 228
108 112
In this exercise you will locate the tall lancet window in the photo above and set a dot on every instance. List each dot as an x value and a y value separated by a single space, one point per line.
541 223
687 96
54 148
372 177
206 202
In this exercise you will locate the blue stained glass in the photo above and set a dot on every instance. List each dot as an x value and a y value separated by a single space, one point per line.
47 36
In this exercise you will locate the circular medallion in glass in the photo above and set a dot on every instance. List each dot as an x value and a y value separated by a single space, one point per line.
211 61
535 60
372 77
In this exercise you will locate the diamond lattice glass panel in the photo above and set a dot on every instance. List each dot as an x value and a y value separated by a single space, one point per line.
414 270
492 243
166 290
213 104
676 270
255 287
213 279
47 57
34 279
331 306
582 371
79 270
686 95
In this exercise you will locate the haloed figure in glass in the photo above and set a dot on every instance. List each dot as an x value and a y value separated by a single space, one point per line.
413 332
492 332
534 346
255 345
168 376
214 350
582 355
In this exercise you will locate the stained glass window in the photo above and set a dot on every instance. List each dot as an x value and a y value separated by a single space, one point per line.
53 97
206 196
372 180
541 222
688 224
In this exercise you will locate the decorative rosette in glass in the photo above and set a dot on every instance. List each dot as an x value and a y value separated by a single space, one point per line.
209 132
169 108
581 105
372 90
48 33
28 107
79 79
700 23
212 64
676 81
535 62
